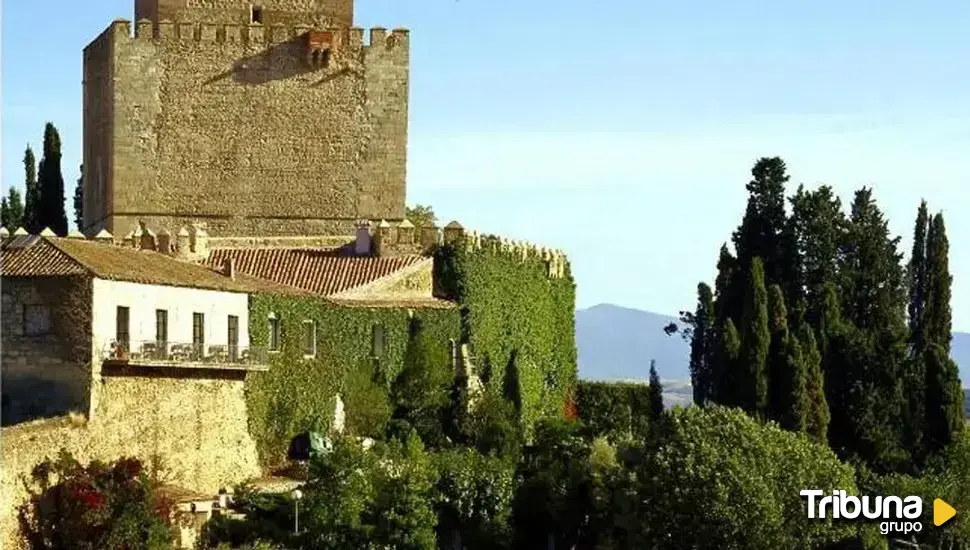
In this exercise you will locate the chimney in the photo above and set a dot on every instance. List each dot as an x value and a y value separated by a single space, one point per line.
229 268
362 244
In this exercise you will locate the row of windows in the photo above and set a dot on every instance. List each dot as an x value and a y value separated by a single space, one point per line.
123 327
309 337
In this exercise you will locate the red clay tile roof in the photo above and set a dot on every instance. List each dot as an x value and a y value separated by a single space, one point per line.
321 271
51 256
40 260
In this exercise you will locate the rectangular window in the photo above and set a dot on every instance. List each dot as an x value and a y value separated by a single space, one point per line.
161 327
256 15
274 333
123 327
309 338
198 334
37 320
378 337
233 337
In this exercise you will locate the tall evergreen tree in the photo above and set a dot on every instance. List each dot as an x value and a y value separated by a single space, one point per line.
817 408
819 226
728 353
32 199
79 202
752 380
701 334
944 395
917 278
944 398
656 393
13 210
914 379
422 391
778 349
938 324
50 182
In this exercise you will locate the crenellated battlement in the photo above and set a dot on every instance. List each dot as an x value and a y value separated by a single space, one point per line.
345 39
404 238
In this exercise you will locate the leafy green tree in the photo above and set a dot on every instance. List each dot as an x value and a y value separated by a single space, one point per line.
12 210
32 195
702 336
79 202
421 393
656 393
553 501
475 498
97 506
50 184
737 486
751 373
403 511
421 215
491 426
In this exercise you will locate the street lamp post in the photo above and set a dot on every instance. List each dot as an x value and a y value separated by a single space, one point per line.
297 495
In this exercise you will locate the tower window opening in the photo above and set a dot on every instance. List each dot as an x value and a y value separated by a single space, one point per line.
256 15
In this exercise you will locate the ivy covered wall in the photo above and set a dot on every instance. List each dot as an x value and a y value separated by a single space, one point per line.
514 314
298 393
617 410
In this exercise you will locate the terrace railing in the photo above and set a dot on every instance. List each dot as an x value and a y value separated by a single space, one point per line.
152 352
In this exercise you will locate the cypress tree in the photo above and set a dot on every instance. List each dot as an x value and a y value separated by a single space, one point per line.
79 202
914 380
422 391
728 354
938 324
656 393
755 341
13 210
763 226
702 342
944 394
50 182
777 353
817 407
917 278
32 194
819 227
944 398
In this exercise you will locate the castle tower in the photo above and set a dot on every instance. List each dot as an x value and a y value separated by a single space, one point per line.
320 13
264 117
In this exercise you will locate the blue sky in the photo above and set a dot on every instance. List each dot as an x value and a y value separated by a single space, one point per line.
622 131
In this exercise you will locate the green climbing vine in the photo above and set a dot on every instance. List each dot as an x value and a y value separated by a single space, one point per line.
298 393
514 314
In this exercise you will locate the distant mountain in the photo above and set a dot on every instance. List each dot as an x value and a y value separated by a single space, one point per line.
618 343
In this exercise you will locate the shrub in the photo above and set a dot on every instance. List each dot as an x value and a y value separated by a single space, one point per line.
92 507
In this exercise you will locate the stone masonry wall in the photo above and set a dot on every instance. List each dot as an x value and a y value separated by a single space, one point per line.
231 125
45 374
197 426
326 13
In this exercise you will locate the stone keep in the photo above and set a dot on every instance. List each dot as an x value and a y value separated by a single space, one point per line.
271 118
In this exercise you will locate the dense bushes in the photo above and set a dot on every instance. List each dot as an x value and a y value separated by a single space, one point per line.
93 507
617 410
